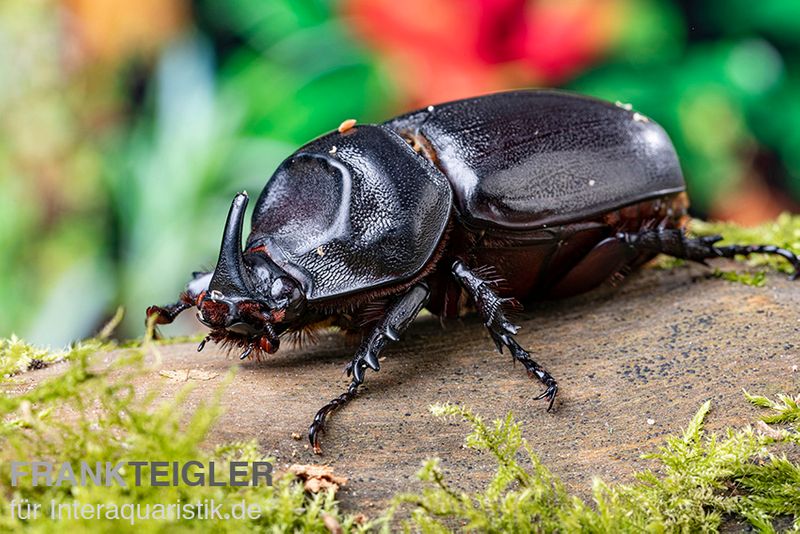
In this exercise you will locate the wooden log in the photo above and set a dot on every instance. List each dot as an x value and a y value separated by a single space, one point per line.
633 363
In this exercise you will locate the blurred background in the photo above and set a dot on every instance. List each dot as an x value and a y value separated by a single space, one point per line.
127 125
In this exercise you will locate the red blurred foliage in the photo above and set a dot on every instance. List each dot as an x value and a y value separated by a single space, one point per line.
457 48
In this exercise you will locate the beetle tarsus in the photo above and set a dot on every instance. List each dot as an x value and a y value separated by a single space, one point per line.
188 299
535 371
492 309
165 314
318 425
398 317
674 242
745 250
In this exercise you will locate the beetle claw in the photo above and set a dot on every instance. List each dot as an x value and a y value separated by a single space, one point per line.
313 435
550 395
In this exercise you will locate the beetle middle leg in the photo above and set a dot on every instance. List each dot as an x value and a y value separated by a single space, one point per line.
398 317
674 242
491 308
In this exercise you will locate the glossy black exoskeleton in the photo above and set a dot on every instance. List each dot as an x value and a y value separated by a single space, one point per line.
487 202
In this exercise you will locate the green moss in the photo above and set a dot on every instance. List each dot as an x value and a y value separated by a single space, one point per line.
16 356
785 410
94 414
783 232
755 279
700 480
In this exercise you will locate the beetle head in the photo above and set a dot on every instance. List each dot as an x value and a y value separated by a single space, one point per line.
250 300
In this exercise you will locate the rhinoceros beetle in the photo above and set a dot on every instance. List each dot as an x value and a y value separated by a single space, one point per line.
484 203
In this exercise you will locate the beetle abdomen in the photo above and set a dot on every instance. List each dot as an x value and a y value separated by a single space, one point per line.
557 261
577 260
529 159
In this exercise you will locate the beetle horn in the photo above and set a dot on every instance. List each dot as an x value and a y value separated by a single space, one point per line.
229 277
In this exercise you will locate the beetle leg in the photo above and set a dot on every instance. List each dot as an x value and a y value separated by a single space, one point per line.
318 424
674 242
492 309
398 317
167 314
534 369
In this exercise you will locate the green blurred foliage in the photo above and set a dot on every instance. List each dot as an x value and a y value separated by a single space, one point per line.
115 178
161 179
722 99
48 169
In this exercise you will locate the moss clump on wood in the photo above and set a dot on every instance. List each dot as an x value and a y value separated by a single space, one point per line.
700 480
783 232
95 415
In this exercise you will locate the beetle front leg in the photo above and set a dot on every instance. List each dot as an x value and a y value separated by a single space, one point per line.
166 314
398 317
492 309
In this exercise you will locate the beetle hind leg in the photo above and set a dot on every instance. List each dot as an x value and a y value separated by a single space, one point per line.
492 309
674 242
